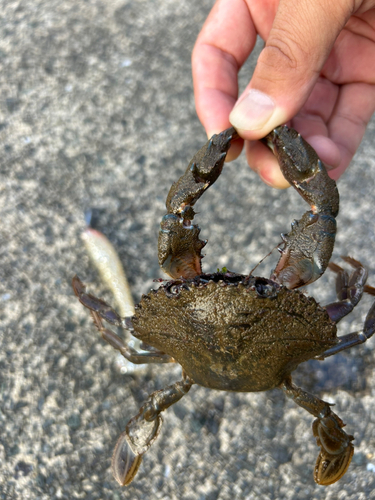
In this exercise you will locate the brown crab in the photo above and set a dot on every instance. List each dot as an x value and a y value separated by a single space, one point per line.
234 332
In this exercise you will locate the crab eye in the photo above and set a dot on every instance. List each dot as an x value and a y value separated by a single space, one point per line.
172 290
265 288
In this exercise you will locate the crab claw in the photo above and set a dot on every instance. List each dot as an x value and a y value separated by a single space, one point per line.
336 449
308 247
179 247
179 244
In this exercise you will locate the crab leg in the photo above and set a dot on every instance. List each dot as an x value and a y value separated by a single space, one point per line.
352 339
336 449
179 243
142 430
308 247
349 292
349 289
101 310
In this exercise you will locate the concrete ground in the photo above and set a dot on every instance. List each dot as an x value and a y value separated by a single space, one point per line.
97 112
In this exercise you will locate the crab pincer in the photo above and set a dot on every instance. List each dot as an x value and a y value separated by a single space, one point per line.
308 247
179 243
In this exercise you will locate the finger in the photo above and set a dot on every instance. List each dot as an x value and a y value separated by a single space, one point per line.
317 110
226 40
289 65
234 150
352 59
262 161
354 109
311 123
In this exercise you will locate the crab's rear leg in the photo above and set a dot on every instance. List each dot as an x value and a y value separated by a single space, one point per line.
101 310
142 430
355 338
336 449
349 289
308 247
179 243
349 292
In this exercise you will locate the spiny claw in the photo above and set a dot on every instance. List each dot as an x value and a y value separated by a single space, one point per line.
303 169
306 251
308 247
336 449
202 171
179 244
179 247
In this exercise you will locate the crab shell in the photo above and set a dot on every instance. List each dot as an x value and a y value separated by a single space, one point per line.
234 332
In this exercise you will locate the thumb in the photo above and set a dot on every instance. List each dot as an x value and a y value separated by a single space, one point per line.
300 40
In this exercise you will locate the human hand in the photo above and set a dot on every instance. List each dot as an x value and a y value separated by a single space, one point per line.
316 72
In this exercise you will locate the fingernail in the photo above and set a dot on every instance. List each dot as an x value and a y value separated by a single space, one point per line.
252 111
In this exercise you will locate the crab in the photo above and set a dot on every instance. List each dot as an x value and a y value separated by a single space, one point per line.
237 332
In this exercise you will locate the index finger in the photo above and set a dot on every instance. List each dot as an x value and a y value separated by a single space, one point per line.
226 40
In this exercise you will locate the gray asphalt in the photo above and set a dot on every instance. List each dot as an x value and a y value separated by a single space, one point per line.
97 112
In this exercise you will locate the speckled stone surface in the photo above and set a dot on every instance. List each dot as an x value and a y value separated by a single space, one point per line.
97 112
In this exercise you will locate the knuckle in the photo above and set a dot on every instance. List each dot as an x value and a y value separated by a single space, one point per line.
287 47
